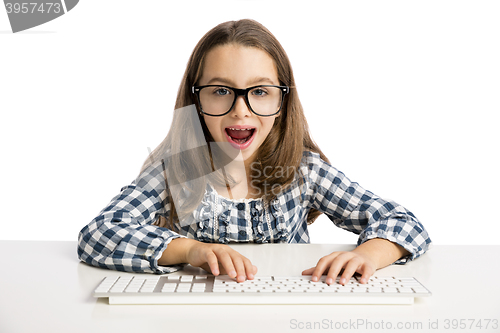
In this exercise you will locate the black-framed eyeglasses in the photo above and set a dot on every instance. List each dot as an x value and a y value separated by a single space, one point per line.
218 100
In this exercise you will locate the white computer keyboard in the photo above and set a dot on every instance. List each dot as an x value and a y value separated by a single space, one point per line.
207 289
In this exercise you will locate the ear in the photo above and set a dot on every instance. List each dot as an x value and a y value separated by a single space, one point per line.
277 117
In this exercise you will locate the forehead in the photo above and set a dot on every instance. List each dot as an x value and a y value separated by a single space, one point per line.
240 65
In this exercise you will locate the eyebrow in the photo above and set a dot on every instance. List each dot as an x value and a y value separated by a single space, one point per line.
259 79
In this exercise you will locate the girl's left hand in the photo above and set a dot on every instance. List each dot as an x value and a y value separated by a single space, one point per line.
351 262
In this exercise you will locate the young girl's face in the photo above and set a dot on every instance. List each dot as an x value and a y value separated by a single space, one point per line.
239 67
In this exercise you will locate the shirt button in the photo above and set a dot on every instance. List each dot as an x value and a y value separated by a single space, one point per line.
241 206
242 233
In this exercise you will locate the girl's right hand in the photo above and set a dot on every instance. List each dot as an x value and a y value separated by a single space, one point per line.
220 259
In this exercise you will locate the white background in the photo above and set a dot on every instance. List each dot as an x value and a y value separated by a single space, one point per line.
402 96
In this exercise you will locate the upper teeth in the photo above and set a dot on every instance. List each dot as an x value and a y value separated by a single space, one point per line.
239 129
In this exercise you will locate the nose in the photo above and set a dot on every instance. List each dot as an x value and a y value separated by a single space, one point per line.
240 108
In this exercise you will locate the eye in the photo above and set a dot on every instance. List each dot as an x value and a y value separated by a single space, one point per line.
221 91
259 92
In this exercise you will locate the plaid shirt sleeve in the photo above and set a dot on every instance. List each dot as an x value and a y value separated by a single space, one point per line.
122 237
355 209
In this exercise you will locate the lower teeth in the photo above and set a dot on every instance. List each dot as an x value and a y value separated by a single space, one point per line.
240 141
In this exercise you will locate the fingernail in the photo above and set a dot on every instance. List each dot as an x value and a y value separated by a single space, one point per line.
232 274
329 281
342 281
315 278
363 281
250 276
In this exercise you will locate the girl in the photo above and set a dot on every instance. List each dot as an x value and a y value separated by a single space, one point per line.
239 165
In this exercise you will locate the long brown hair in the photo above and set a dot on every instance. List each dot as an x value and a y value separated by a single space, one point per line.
283 147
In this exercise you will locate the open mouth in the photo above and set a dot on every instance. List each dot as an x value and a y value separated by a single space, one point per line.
240 137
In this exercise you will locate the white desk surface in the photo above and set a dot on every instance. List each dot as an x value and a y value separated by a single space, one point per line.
45 288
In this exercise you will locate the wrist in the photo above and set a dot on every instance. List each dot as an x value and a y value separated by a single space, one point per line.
381 252
176 251
187 245
369 252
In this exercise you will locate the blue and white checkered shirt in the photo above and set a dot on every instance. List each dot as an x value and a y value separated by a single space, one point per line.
124 236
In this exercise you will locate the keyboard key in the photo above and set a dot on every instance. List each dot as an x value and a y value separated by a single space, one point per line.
183 288
344 290
405 290
102 289
326 290
391 290
407 280
375 290
316 283
234 290
186 278
360 290
220 290
106 284
281 290
198 290
173 277
168 287
117 289
313 290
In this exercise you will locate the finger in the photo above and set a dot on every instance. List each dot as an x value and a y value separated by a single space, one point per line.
367 273
240 269
349 270
318 270
249 268
323 265
336 266
213 264
226 262
206 268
